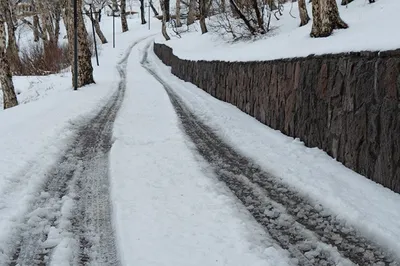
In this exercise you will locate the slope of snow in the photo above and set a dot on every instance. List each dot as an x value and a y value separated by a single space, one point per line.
353 198
372 27
34 134
169 210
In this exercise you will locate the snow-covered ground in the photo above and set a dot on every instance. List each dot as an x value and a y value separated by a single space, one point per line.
371 27
371 208
169 209
32 88
33 135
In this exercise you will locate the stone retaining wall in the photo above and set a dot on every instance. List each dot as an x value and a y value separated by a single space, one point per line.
346 104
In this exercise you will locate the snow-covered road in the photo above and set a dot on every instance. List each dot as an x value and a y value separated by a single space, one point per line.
70 221
146 178
312 235
169 209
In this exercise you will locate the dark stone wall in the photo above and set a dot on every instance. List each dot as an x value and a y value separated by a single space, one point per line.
346 104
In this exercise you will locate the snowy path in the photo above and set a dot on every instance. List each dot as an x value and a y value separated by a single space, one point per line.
70 223
311 234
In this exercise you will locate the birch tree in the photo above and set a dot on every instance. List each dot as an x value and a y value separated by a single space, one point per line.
7 86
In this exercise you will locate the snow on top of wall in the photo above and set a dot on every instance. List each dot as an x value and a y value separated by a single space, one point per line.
373 27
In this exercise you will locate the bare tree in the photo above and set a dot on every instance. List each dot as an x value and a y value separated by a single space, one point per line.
191 13
142 15
203 14
57 18
260 19
325 18
49 37
244 18
85 68
304 18
124 22
12 49
153 8
164 4
178 13
98 6
35 28
167 10
46 21
94 20
246 21
9 97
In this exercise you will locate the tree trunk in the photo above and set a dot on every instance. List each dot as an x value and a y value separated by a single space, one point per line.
85 69
178 13
124 22
242 17
97 27
202 7
153 8
142 15
164 19
272 5
99 32
260 20
326 18
49 36
235 14
57 19
47 27
7 86
167 13
36 28
304 18
191 13
12 47
345 2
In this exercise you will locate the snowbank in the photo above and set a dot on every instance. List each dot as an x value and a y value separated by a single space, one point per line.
372 27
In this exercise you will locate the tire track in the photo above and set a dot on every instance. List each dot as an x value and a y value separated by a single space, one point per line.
306 230
81 175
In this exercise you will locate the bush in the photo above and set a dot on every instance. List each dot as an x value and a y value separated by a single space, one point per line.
37 60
